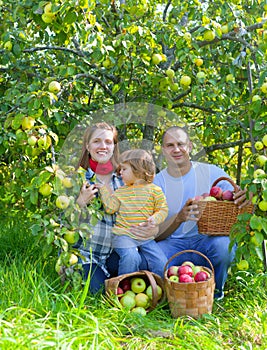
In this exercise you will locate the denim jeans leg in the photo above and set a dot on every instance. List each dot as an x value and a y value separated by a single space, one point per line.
130 260
155 257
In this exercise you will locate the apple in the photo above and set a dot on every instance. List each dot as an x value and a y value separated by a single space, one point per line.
107 63
201 276
27 123
198 62
125 284
201 75
172 271
170 73
188 263
130 292
209 35
264 140
263 205
216 192
230 77
261 160
48 8
48 17
228 195
119 291
196 269
205 194
187 36
242 265
138 285
264 88
174 87
185 269
197 198
127 301
32 140
209 199
142 299
71 237
258 172
185 278
224 29
174 278
8 45
67 183
256 98
46 190
54 86
139 310
258 145
185 81
149 292
73 259
62 202
156 58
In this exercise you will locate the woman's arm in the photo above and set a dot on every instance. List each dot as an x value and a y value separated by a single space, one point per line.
87 193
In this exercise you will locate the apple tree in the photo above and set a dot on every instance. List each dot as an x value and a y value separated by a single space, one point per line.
61 61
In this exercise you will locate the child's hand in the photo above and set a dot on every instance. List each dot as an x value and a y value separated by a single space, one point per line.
151 220
98 185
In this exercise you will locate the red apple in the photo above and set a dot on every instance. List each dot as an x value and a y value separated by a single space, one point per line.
205 194
125 285
201 276
172 271
185 278
228 195
197 198
119 291
185 269
216 192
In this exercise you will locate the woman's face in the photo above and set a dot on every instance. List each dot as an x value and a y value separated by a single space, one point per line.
101 145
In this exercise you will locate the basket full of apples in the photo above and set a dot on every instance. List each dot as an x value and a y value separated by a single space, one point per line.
189 288
138 292
218 212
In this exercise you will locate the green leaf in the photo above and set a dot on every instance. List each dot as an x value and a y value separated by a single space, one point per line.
255 223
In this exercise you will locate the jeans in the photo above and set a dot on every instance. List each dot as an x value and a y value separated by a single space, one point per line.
215 248
131 259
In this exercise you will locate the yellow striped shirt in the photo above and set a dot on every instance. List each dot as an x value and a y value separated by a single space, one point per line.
134 204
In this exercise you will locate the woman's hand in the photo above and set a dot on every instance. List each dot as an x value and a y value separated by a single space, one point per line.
87 193
145 230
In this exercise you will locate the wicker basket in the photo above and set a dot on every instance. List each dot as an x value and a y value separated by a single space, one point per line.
193 299
217 217
150 278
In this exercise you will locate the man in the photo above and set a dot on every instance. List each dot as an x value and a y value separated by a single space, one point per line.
180 182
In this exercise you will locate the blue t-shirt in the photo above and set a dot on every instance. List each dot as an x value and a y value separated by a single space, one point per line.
179 189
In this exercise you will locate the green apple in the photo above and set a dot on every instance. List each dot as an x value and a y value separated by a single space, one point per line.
46 190
27 123
138 285
106 63
264 140
71 237
73 259
187 36
32 140
201 75
185 81
256 98
170 73
188 263
149 292
62 202
242 265
198 62
8 45
225 29
261 160
139 310
196 269
264 88
48 8
258 172
209 198
174 87
54 86
174 278
230 77
258 145
142 299
127 301
156 58
263 205
67 182
48 17
130 292
209 35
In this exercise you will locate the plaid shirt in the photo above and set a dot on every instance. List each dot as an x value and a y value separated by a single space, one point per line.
98 248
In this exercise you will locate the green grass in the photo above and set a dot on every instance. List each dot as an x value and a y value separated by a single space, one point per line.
37 313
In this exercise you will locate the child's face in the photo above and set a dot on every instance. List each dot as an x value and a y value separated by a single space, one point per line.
127 174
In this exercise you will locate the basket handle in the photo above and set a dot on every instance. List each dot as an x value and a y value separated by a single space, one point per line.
153 284
188 251
223 178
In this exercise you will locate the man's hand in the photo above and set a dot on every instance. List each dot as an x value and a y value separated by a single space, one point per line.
189 211
240 198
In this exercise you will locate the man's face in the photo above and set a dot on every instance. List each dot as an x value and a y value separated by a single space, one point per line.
176 147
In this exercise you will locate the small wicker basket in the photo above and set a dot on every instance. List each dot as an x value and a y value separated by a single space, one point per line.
217 217
150 278
193 299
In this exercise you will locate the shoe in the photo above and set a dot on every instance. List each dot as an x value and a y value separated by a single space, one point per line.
219 296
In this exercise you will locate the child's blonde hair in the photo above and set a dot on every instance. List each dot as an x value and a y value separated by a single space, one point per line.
141 163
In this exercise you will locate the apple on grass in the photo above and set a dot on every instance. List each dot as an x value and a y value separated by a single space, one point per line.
138 285
139 310
127 301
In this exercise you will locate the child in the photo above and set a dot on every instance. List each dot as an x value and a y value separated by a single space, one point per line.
137 201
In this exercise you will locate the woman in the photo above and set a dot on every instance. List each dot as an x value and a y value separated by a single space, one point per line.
100 158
